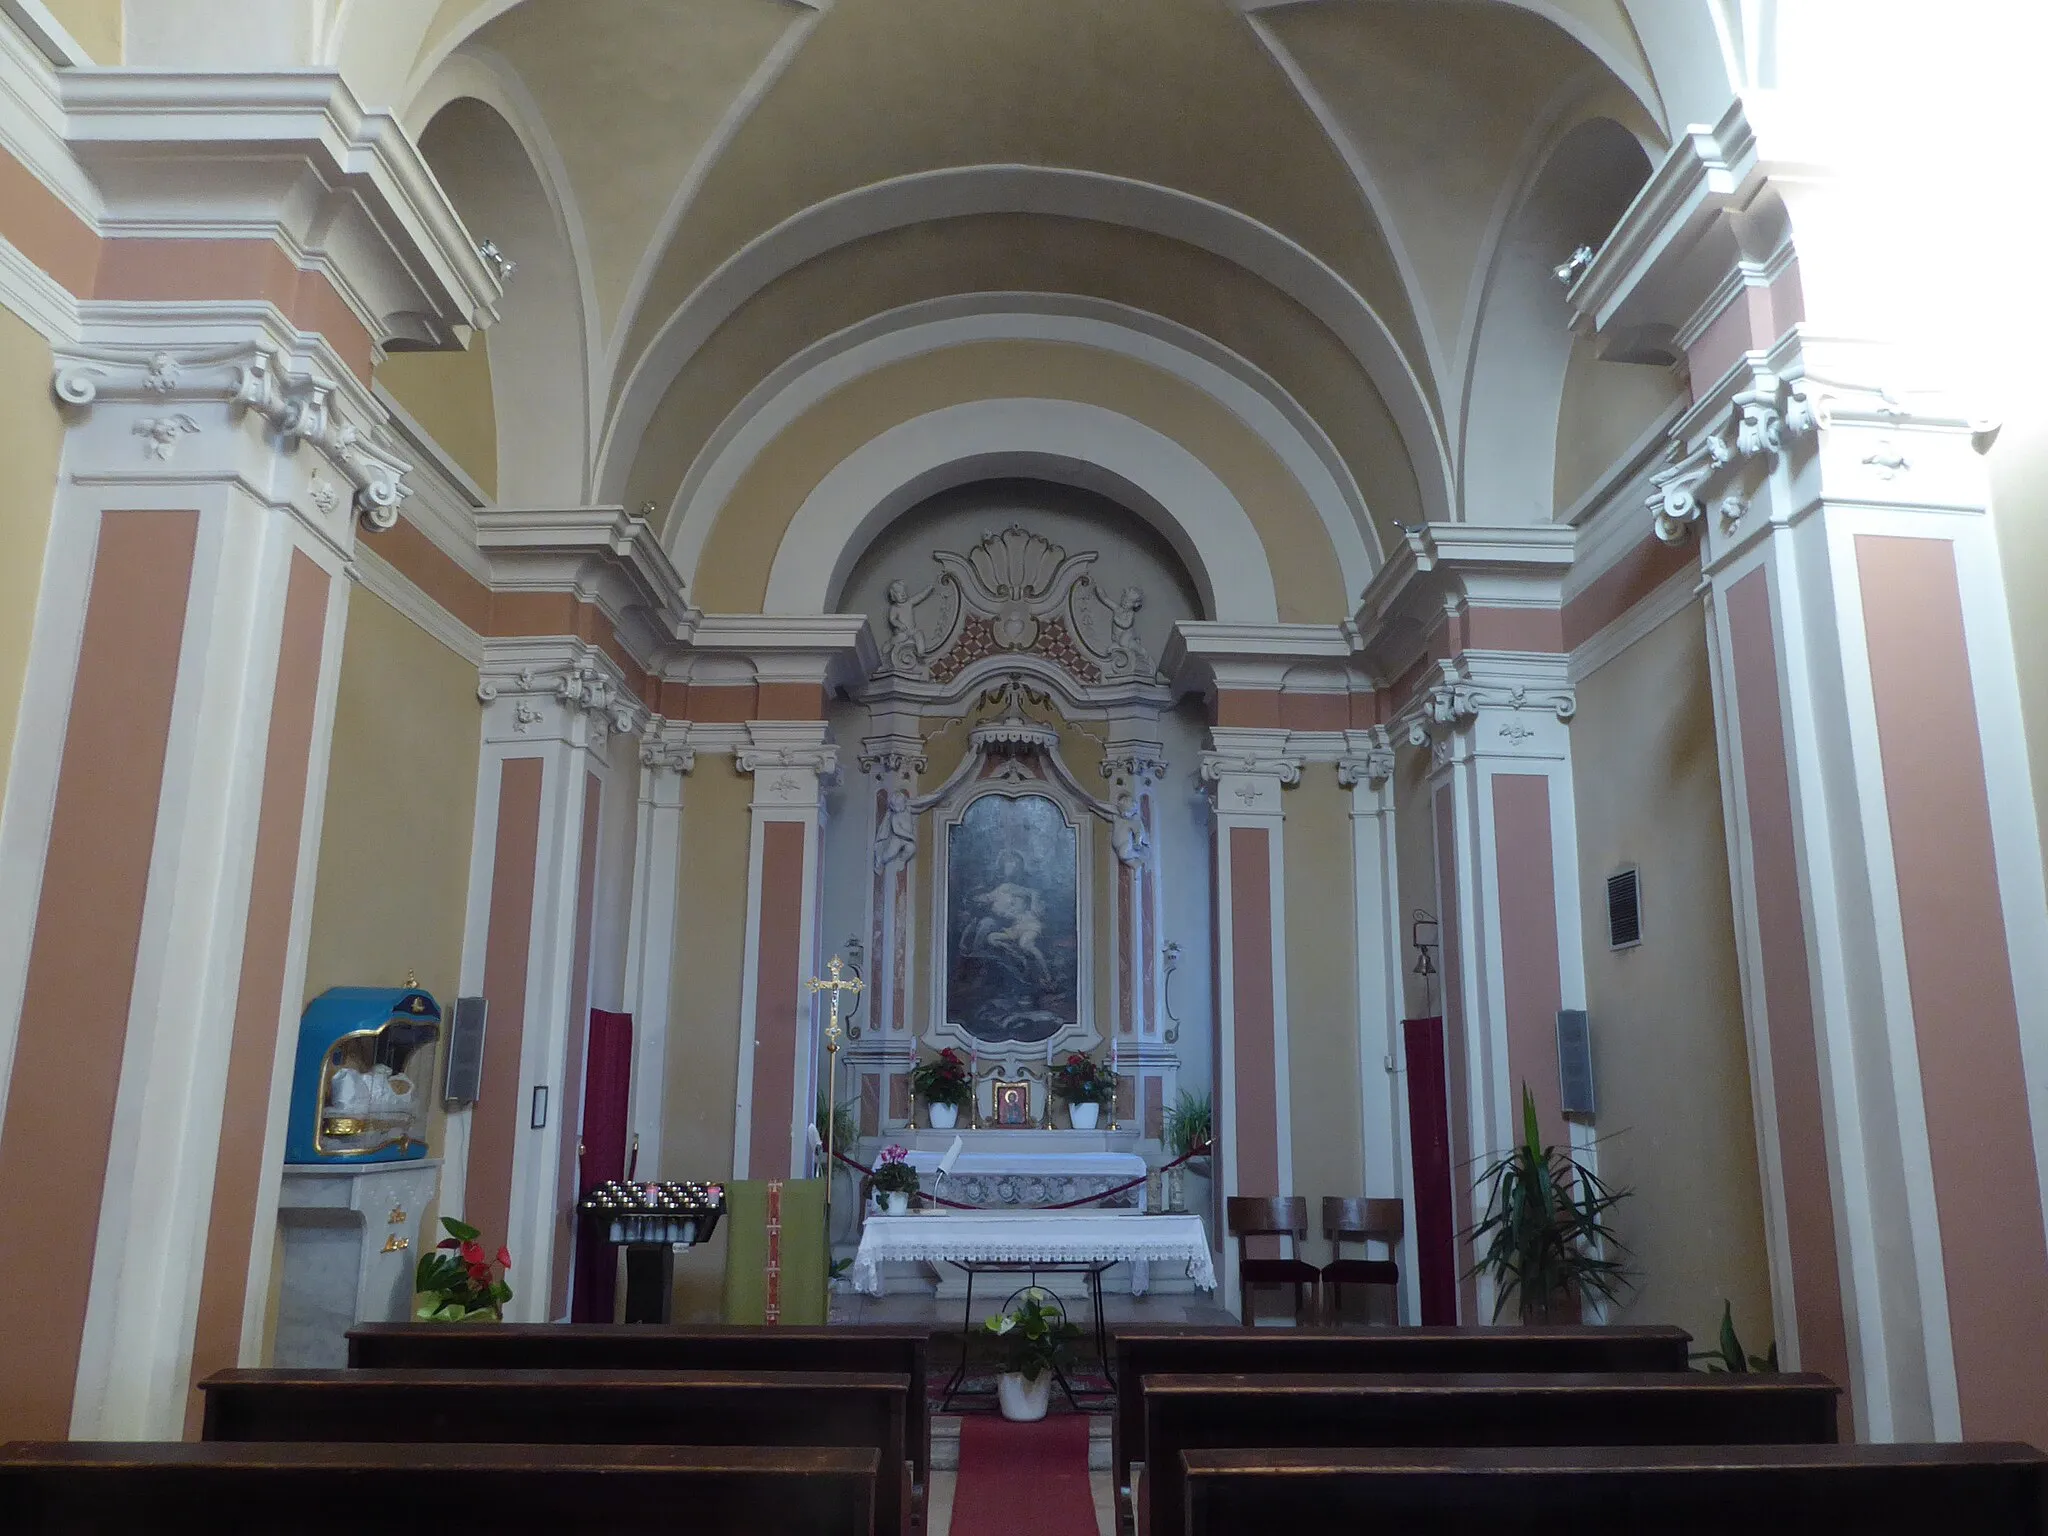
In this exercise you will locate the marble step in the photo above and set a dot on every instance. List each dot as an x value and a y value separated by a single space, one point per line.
946 1442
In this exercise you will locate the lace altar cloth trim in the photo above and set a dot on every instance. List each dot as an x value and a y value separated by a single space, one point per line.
1025 1237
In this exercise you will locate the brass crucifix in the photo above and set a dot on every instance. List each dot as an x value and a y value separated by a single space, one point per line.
838 986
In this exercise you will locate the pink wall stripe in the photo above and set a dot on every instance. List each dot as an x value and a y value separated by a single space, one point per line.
500 1109
1787 988
573 1063
81 968
1256 1136
1458 1079
776 981
1959 975
1528 941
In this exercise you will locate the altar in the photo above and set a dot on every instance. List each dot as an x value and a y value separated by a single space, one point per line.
1012 1168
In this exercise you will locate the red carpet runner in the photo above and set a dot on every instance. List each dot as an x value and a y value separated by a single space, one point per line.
1024 1479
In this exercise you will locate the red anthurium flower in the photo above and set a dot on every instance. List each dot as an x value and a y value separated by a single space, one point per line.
504 1258
472 1253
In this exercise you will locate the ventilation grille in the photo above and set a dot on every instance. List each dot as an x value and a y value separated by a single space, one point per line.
1624 910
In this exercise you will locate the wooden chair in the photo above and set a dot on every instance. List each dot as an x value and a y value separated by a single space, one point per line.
1249 1217
1349 1220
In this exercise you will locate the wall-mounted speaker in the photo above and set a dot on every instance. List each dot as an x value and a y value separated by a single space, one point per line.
1575 1062
465 1076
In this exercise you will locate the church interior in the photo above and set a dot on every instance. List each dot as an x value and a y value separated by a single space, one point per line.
1023 765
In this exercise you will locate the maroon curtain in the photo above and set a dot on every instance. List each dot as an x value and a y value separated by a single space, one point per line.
607 1086
1429 1127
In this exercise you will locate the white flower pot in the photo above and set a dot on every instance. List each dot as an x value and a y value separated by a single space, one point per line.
944 1116
1083 1115
1021 1400
896 1203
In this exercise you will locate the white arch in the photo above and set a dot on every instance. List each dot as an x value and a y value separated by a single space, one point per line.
1061 440
972 190
935 324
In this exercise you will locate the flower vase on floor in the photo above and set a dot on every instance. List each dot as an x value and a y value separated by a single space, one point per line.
943 1116
1083 1115
1022 1400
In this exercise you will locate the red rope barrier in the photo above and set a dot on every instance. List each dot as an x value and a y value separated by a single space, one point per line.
1063 1205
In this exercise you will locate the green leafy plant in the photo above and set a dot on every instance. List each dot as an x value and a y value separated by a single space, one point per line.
845 1126
943 1079
1189 1124
1032 1338
1545 1237
893 1174
1084 1080
456 1282
1728 1354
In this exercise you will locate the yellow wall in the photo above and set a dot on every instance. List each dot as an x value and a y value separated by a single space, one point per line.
1606 407
1325 1114
2019 479
393 881
1670 1058
31 442
704 1008
449 393
96 24
732 573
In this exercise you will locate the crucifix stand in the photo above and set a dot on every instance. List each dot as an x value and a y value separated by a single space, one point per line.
837 985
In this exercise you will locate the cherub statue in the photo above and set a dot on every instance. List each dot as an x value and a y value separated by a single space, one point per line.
1127 653
1127 829
904 650
896 837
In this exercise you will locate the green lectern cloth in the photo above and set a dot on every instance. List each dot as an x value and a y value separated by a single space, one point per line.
800 1286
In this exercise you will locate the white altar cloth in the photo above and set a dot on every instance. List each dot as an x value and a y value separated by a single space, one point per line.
1028 1236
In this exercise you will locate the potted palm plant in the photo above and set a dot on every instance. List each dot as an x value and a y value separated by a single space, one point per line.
1033 1339
1188 1129
946 1087
1545 1240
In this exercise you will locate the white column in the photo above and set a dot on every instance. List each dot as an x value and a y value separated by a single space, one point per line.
665 758
1376 896
887 1047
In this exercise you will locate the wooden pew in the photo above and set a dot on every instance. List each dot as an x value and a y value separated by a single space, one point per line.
1235 1412
1765 1490
509 1490
865 1411
903 1351
1143 1349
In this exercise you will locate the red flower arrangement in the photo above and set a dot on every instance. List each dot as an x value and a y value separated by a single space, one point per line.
455 1281
943 1080
1083 1080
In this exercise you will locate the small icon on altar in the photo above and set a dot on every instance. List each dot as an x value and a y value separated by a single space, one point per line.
1012 1101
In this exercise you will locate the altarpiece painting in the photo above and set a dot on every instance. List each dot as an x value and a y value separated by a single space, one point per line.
1012 967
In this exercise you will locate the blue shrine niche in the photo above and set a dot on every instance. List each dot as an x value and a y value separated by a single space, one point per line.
364 1078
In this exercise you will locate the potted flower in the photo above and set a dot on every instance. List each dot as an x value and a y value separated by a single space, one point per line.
1085 1085
894 1180
1544 1239
946 1085
455 1283
1032 1340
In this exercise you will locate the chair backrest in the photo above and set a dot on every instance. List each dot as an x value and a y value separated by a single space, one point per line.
1349 1219
1253 1216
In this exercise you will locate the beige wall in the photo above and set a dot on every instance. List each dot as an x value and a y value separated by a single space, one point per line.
704 1009
31 442
1669 1054
1604 409
2019 479
96 24
449 393
1325 1114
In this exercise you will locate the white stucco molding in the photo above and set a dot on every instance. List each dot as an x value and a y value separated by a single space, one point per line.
965 191
1061 440
291 157
1250 395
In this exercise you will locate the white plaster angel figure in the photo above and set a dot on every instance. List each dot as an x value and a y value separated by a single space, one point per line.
896 837
904 650
1127 830
1127 653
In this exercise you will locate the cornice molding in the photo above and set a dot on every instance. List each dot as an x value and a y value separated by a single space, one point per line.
1202 655
605 556
391 585
566 687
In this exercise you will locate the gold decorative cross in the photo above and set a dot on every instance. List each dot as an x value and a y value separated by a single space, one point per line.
838 986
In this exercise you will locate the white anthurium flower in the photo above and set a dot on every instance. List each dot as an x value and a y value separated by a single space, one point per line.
1002 1324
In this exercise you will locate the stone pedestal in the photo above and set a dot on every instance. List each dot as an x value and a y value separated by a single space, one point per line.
350 1236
